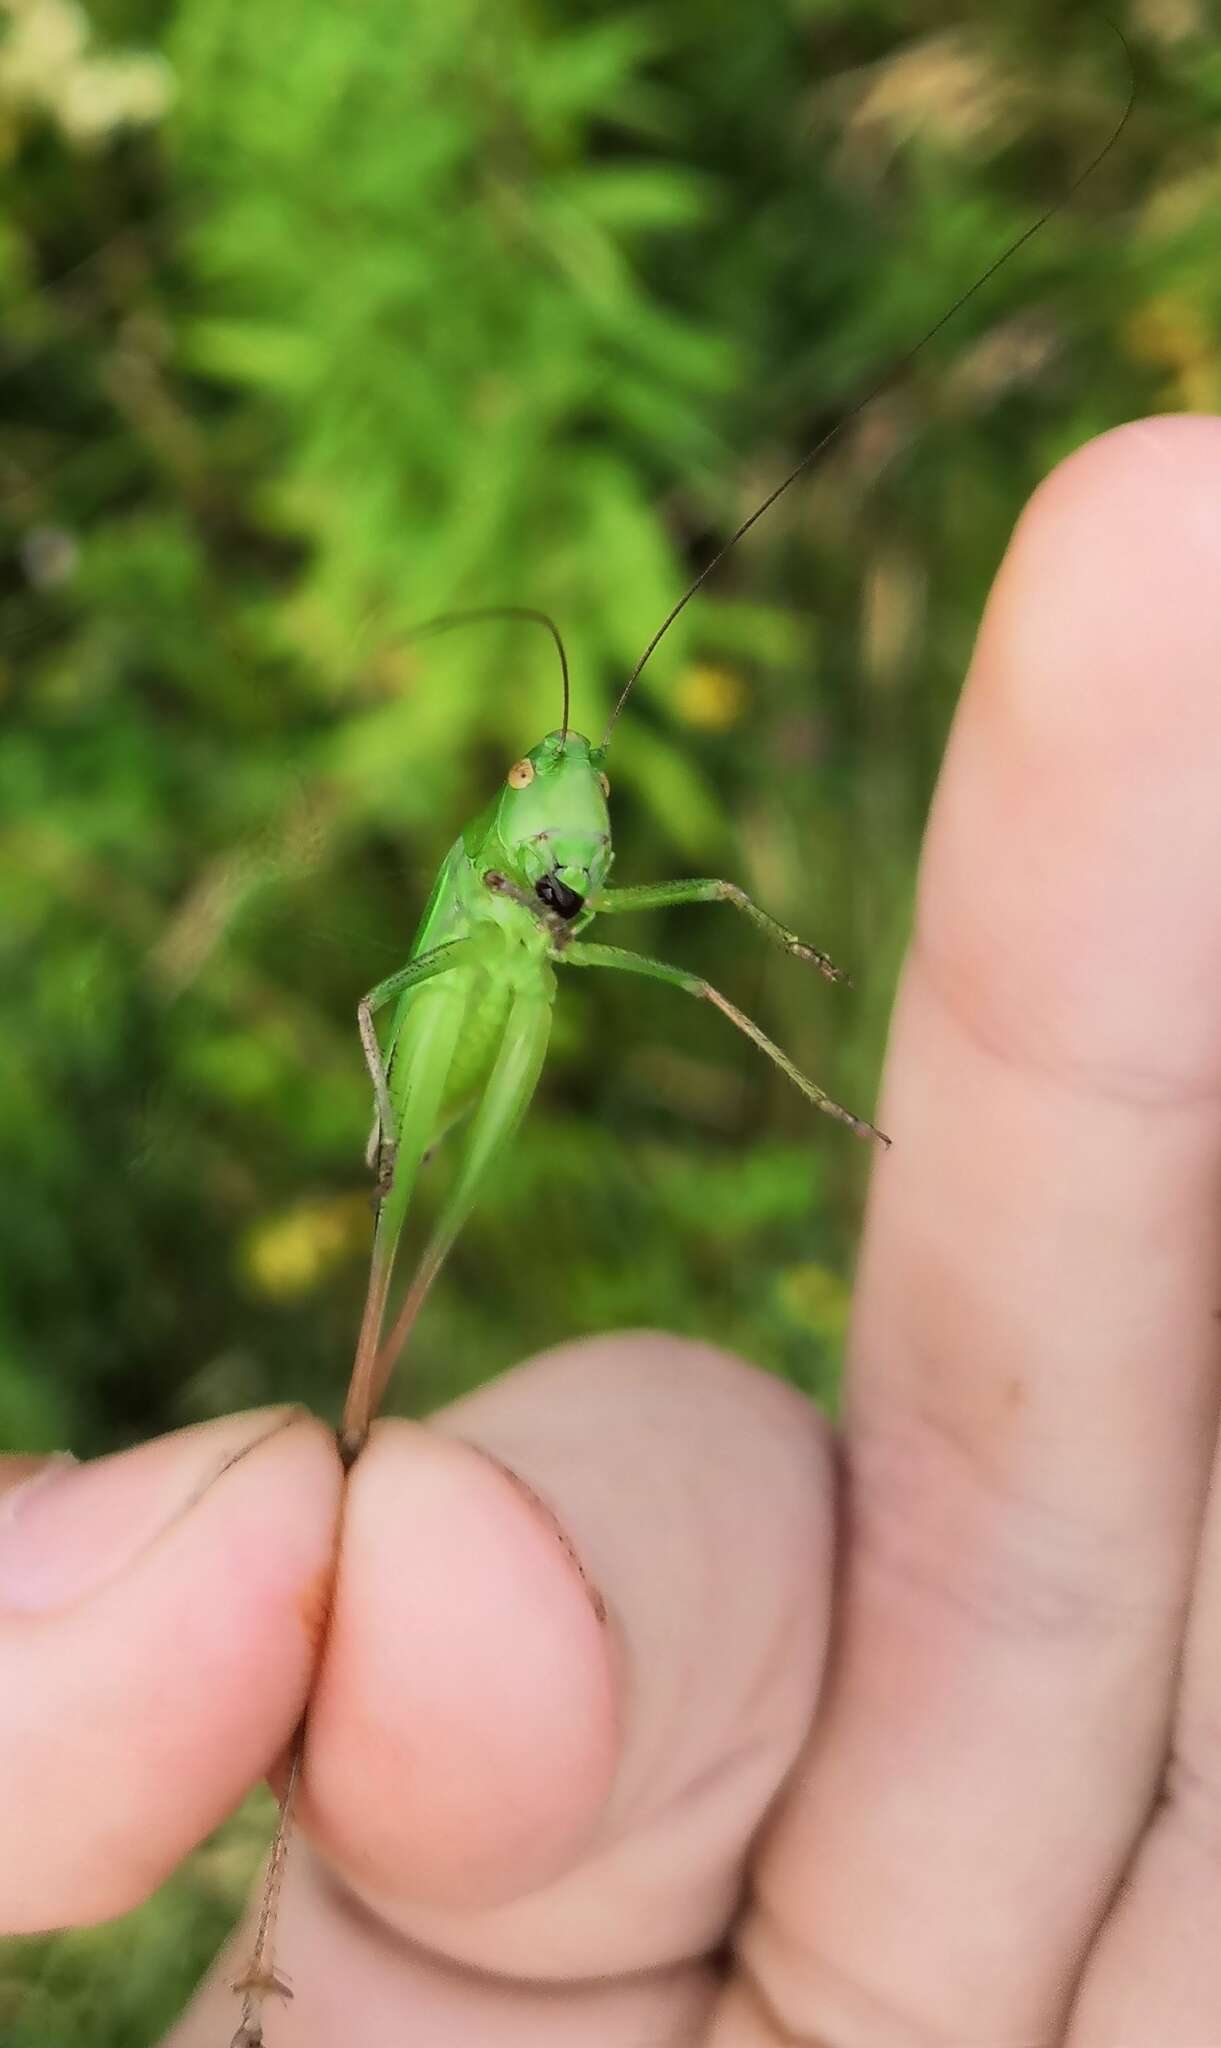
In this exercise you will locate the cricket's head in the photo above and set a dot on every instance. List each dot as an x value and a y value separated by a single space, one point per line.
553 821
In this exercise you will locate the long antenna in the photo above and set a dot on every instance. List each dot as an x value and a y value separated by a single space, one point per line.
445 620
883 383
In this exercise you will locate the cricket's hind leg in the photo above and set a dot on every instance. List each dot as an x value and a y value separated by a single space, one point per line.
383 1139
430 1038
260 1980
510 1085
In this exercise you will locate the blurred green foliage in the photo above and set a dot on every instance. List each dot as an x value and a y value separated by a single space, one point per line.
320 319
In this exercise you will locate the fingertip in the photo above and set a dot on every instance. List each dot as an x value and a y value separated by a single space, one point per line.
463 1731
1074 833
1108 599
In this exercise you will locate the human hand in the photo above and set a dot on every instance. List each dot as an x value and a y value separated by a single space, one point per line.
909 1744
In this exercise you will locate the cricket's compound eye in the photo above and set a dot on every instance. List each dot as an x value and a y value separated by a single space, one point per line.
520 775
604 786
558 896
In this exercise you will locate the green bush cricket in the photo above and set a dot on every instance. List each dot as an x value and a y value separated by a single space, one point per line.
474 1002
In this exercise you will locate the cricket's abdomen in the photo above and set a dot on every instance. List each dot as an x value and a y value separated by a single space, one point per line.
486 999
483 1022
474 999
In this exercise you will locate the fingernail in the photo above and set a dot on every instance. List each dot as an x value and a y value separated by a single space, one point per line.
66 1528
551 1520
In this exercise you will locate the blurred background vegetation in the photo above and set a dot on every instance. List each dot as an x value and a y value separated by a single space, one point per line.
318 319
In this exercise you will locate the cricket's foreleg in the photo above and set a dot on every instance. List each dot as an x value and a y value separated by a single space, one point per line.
553 925
581 954
655 895
383 1140
510 1086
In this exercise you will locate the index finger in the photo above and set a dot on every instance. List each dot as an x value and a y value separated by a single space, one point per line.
1033 1397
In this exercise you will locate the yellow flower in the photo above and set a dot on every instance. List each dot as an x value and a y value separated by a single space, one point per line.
288 1255
710 698
1171 333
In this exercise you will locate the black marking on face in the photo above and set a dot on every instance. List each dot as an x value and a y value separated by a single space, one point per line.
558 896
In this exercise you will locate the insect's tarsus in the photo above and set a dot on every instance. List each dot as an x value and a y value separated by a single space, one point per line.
882 384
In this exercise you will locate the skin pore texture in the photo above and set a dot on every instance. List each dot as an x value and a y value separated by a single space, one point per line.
649 1712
